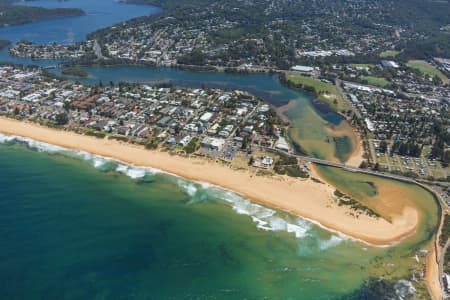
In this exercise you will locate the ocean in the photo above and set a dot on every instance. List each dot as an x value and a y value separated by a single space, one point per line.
77 226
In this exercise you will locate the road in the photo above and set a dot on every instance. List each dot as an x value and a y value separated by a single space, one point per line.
338 84
98 50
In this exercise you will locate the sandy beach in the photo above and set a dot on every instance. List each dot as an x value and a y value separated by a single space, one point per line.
305 198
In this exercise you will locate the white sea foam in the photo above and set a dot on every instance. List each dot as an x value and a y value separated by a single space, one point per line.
39 146
332 242
122 169
265 218
189 187
268 219
133 172
6 138
99 162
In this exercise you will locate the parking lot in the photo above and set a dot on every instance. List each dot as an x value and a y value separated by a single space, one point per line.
421 166
228 152
230 149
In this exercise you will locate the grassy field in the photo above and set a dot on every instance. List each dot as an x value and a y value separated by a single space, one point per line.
389 53
427 69
326 92
375 81
362 65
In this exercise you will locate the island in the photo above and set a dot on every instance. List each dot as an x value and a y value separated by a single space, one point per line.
74 72
16 14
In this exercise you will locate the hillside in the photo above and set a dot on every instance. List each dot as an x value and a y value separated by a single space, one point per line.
279 33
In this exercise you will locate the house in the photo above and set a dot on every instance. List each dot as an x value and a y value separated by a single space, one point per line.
213 143
206 117
267 161
281 144
184 141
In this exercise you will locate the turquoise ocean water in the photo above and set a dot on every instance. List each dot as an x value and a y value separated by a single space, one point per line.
76 226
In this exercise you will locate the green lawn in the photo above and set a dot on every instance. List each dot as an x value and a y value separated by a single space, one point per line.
427 69
326 92
389 53
375 81
362 65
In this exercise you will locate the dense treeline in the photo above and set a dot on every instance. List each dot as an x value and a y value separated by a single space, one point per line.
435 44
442 139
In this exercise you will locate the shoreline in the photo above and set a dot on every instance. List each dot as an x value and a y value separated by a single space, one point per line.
277 192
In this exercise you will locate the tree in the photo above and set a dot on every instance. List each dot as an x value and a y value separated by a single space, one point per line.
383 146
437 80
62 119
251 161
67 106
446 159
364 165
376 167
403 150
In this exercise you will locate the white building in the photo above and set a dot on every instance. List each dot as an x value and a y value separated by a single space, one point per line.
281 144
389 64
304 69
184 141
213 143
206 117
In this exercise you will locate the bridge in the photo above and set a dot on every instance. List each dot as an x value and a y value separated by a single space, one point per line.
328 163
51 67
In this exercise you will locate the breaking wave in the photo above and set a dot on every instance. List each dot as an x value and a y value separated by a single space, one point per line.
265 218
103 164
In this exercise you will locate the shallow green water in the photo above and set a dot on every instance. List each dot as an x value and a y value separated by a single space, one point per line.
74 226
